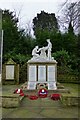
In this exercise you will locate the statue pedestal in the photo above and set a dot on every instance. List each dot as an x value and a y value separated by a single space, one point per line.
43 72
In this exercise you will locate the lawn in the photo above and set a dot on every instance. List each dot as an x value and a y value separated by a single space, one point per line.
74 88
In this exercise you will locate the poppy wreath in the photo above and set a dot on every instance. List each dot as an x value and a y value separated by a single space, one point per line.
43 93
55 96
19 91
33 97
22 94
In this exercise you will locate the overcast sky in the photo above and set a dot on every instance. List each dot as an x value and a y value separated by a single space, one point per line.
29 8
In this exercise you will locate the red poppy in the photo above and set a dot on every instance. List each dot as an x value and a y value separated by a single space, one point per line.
33 97
42 93
55 96
18 91
43 96
21 94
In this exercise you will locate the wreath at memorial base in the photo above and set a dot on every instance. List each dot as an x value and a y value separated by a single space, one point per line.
42 93
33 97
55 96
41 85
22 94
19 91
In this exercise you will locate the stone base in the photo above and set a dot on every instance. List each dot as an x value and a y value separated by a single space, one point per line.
11 101
70 100
42 85
42 71
35 92
39 85
60 86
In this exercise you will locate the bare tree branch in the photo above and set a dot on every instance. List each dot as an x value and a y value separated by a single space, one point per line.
70 12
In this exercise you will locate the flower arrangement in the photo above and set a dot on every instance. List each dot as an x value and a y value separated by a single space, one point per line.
55 96
19 91
33 97
41 85
43 93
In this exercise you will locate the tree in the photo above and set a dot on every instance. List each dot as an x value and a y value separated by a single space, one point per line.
70 29
11 33
16 42
44 21
69 12
15 39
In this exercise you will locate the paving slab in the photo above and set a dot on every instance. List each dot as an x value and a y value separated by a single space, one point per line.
41 109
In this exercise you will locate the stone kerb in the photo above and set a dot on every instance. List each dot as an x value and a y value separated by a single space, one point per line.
10 100
70 99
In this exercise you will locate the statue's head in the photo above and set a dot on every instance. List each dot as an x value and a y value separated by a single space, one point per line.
37 47
48 40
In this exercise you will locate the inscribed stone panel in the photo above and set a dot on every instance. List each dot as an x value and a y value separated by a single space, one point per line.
42 73
32 73
9 71
51 73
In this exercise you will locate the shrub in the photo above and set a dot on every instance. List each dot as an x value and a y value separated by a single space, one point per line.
23 73
62 57
18 58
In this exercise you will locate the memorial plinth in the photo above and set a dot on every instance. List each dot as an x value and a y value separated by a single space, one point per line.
42 71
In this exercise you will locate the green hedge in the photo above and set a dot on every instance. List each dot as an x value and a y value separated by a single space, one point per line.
66 75
67 78
23 73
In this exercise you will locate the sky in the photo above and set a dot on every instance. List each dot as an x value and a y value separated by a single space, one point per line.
28 9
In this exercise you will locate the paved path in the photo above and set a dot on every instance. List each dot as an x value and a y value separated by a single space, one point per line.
41 108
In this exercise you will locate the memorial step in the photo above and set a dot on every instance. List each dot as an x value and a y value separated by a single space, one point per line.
31 86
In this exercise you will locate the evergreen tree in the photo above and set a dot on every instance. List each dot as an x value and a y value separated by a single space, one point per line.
45 21
11 33
16 43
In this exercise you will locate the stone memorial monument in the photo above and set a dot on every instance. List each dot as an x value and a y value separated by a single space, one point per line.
42 68
10 72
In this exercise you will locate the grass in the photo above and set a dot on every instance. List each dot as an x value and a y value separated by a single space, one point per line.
74 88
